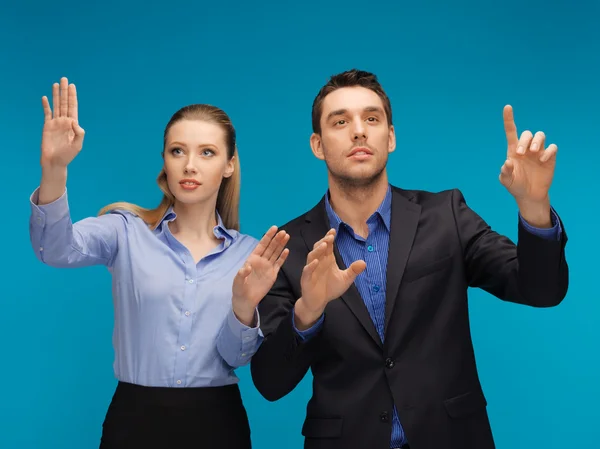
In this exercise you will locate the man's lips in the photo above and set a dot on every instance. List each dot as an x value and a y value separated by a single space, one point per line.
360 151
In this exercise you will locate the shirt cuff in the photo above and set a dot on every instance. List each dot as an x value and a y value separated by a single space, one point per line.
248 336
552 233
310 332
48 213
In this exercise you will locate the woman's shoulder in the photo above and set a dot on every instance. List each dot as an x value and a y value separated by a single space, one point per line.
246 240
121 214
240 244
126 218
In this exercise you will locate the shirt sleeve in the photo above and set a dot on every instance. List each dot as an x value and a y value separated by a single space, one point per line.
237 343
310 332
552 233
59 242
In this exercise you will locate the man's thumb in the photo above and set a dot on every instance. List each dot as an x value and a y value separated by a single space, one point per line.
356 268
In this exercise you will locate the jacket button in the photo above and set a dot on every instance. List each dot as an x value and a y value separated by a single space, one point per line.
384 417
389 363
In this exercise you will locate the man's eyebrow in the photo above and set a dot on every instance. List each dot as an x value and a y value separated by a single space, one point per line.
373 109
336 113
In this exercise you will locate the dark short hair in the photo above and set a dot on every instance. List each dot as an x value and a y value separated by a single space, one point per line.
349 78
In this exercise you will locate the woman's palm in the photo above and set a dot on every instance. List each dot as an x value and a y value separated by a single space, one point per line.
62 137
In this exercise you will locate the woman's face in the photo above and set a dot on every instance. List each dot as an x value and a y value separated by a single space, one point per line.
196 161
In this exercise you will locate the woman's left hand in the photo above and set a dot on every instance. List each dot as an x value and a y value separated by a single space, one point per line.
254 280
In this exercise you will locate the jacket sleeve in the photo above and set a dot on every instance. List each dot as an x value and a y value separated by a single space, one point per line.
285 356
533 272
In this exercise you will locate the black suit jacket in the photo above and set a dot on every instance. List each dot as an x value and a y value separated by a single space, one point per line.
438 248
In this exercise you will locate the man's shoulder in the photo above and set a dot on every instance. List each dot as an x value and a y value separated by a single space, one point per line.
427 198
424 198
315 213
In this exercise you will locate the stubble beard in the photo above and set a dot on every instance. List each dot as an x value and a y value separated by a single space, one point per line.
347 182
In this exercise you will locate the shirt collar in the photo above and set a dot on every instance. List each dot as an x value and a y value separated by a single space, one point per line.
220 231
384 211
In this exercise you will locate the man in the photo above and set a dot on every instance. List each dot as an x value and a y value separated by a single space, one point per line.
373 297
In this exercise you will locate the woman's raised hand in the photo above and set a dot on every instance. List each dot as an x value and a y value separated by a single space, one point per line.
62 137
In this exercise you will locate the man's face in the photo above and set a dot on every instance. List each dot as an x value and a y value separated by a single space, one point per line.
355 137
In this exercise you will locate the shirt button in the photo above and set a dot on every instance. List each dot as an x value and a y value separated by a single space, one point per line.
384 417
191 281
183 348
376 288
370 248
187 313
178 382
243 354
389 363
41 248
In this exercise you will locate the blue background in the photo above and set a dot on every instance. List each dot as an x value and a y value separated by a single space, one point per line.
448 69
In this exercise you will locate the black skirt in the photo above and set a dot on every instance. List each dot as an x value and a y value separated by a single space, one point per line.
176 418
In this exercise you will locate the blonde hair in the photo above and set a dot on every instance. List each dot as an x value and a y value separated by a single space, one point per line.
228 198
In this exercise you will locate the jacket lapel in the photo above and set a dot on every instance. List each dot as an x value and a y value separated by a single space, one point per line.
403 228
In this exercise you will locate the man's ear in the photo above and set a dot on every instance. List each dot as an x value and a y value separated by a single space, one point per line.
392 140
316 144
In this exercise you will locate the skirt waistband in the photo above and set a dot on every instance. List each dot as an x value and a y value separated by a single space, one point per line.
178 397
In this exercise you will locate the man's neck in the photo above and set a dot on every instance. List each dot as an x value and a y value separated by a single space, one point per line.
354 205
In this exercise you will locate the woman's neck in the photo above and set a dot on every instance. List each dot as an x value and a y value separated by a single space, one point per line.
194 221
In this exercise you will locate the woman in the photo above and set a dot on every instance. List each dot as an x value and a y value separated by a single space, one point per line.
186 283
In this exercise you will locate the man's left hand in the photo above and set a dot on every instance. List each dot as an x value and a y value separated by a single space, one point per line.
528 171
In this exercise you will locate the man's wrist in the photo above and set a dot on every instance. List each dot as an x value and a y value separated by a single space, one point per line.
536 213
305 317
